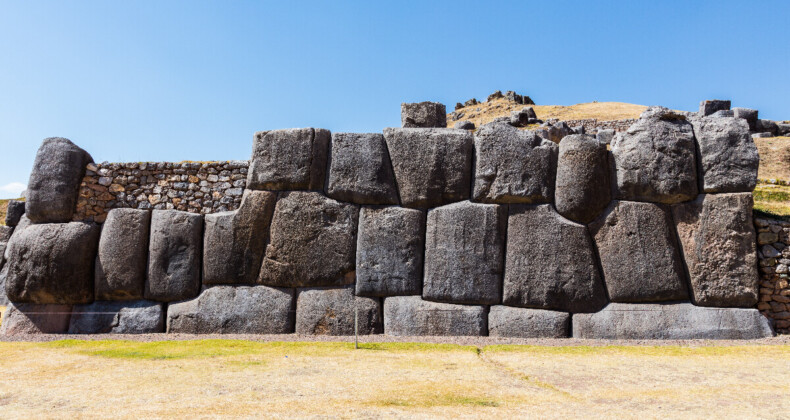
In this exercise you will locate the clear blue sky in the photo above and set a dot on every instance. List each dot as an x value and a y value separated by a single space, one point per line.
193 80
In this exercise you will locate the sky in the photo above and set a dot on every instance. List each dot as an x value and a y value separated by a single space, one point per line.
152 80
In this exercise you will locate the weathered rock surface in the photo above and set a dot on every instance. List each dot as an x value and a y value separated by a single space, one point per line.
234 242
52 263
583 187
718 242
655 160
51 195
605 136
360 170
711 106
14 212
3 275
26 318
750 115
464 250
464 125
638 253
550 262
513 166
423 114
313 242
290 159
522 117
728 155
390 248
330 311
131 317
174 251
234 310
410 315
122 259
506 321
432 166
681 321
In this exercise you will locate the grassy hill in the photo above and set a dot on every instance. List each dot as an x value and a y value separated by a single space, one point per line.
485 112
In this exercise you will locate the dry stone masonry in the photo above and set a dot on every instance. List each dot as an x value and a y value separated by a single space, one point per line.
419 230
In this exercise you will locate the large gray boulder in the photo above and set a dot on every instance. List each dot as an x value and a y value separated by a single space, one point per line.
412 316
423 114
360 170
750 115
464 250
711 106
550 262
605 136
638 252
5 236
390 249
432 166
51 194
728 156
234 310
330 311
717 238
130 317
174 252
52 263
583 186
122 259
290 159
506 321
14 212
26 318
3 275
313 242
234 242
655 160
681 321
513 166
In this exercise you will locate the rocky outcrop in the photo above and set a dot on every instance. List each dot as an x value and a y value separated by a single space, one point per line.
313 242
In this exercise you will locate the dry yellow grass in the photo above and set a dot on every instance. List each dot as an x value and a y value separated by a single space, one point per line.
229 379
604 111
774 157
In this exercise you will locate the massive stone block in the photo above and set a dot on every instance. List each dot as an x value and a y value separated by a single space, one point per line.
550 262
290 159
432 166
728 155
655 160
711 106
234 242
464 250
423 114
718 242
390 249
313 242
638 252
750 115
583 185
14 212
3 275
513 166
410 315
234 310
123 255
26 318
52 263
5 236
360 170
130 317
174 256
506 321
681 321
58 169
330 311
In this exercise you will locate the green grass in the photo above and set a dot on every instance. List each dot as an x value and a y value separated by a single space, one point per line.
772 201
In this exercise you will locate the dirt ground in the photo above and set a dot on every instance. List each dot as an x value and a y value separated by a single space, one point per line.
195 377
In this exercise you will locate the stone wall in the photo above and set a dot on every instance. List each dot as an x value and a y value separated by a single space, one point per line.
195 187
413 231
773 239
592 125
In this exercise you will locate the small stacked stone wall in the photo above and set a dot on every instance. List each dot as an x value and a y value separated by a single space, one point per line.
195 187
592 125
773 239
413 231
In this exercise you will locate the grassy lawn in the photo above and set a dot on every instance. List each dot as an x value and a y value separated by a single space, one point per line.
772 201
234 378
